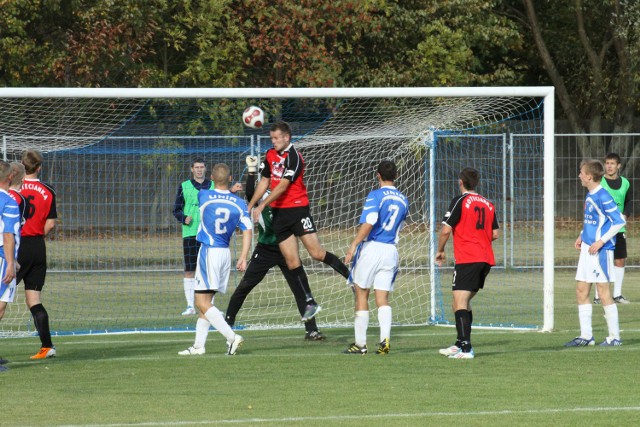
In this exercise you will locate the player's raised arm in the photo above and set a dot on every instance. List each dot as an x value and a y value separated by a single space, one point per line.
262 188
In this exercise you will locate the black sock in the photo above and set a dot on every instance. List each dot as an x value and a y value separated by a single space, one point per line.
41 320
464 322
300 277
335 263
458 330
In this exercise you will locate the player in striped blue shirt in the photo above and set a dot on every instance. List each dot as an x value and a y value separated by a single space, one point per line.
221 212
9 227
602 221
375 256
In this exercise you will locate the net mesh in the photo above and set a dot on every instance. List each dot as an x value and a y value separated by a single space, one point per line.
115 260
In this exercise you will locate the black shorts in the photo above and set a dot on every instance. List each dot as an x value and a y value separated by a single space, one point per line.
292 221
263 259
470 277
32 257
190 248
620 251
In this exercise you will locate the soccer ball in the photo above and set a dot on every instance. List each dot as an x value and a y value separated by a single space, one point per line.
253 117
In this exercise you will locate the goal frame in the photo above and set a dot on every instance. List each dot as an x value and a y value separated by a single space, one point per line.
546 92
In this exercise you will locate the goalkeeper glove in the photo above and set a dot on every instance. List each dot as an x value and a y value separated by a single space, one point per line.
252 164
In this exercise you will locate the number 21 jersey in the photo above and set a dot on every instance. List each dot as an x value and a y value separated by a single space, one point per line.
473 219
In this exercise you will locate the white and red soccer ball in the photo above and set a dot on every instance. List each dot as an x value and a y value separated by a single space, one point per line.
253 117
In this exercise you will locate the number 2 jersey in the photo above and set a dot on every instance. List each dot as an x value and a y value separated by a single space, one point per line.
221 212
473 219
386 209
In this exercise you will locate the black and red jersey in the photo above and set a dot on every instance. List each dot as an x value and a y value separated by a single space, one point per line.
290 166
40 205
19 198
473 219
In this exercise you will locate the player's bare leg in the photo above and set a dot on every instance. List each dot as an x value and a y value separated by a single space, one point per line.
317 252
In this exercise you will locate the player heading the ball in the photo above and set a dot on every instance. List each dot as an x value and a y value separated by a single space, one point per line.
283 172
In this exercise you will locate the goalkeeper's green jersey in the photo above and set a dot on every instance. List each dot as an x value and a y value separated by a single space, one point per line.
619 195
266 236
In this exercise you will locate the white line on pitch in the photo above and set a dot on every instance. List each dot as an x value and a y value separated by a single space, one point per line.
364 417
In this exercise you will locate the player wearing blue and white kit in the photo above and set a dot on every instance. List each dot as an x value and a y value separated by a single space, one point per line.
10 227
221 212
596 243
375 256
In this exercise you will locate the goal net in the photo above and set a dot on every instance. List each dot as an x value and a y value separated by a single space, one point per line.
116 158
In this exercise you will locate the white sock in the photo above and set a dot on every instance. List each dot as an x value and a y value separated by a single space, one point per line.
618 274
596 295
189 285
361 324
585 312
216 318
384 319
611 314
202 331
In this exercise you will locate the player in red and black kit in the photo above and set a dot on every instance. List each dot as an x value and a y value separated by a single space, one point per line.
40 218
472 220
283 171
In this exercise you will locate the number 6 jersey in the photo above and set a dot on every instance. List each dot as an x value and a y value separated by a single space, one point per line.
473 219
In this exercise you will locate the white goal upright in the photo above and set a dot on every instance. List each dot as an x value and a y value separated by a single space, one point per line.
117 156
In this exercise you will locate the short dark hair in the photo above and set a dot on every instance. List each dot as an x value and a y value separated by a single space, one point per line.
387 170
32 160
470 178
197 160
613 156
282 127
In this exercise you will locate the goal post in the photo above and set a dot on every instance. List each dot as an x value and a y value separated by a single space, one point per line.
117 156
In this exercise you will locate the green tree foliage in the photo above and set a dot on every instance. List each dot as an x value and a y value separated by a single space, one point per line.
300 43
437 43
32 34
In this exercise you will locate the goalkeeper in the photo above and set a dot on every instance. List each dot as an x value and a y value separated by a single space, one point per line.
266 256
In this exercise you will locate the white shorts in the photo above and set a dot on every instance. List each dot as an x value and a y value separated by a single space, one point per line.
375 265
7 292
212 269
596 268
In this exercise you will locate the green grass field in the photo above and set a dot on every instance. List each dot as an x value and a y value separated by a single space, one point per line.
517 378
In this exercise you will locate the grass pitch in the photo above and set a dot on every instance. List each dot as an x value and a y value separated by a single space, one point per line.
517 378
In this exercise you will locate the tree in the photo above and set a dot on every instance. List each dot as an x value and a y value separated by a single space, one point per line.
437 43
32 35
589 50
301 43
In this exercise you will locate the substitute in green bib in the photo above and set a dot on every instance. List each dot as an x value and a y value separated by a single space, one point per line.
620 189
187 212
